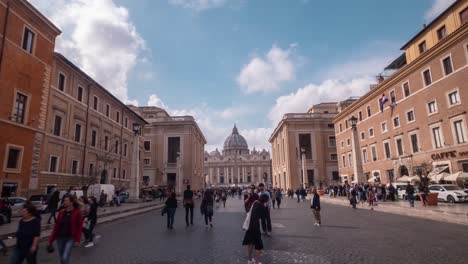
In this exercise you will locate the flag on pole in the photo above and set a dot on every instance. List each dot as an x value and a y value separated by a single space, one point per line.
383 100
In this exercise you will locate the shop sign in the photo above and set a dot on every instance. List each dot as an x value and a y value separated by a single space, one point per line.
448 155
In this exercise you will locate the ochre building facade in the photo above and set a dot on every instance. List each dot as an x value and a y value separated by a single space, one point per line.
27 41
424 123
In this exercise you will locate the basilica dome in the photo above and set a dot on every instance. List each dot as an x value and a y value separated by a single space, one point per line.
235 142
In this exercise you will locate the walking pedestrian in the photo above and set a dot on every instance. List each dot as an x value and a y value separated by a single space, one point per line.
273 200
206 207
278 197
410 193
298 193
253 238
171 207
52 205
91 222
371 197
353 199
250 198
188 204
67 229
266 220
315 205
223 198
27 236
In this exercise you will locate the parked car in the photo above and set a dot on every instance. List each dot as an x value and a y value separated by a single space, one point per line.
449 193
16 205
40 202
466 190
401 188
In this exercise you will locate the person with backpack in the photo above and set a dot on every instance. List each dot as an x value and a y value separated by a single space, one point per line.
188 204
206 207
253 237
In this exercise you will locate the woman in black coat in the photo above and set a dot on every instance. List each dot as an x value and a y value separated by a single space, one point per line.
253 237
315 205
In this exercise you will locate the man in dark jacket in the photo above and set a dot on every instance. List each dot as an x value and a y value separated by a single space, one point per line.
188 204
315 205
410 193
52 205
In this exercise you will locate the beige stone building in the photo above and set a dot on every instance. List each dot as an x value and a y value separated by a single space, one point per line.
89 134
424 123
308 137
237 165
173 149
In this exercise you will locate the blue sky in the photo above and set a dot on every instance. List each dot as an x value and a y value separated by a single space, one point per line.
236 61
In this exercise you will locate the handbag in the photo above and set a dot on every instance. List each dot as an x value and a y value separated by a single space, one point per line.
86 223
164 210
246 224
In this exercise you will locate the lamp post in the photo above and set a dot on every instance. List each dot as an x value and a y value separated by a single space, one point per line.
303 158
179 176
357 168
135 178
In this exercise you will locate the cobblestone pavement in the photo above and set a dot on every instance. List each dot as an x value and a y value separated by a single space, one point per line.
347 236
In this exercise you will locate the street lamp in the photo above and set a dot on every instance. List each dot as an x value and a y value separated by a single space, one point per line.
135 182
303 157
357 168
136 129
353 121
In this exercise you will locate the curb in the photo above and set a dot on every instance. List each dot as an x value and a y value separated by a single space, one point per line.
441 216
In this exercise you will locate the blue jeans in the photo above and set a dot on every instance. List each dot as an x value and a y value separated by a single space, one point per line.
170 217
64 247
19 255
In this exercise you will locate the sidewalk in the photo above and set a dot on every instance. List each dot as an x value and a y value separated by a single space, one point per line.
444 212
105 214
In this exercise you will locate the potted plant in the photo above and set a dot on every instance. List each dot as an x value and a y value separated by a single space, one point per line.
422 172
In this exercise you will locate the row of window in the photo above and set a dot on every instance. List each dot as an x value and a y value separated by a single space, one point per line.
57 131
61 86
447 67
54 167
442 31
453 98
437 138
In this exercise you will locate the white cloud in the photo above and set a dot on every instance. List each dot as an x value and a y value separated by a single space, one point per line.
199 5
99 37
438 6
331 90
154 100
257 137
266 74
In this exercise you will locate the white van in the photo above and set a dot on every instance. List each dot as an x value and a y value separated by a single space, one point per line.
96 189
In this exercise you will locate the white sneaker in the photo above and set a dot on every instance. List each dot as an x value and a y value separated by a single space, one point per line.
90 244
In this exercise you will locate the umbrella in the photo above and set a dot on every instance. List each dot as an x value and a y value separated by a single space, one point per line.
371 179
439 177
456 176
407 178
